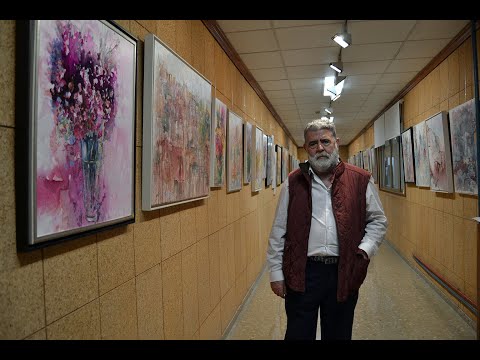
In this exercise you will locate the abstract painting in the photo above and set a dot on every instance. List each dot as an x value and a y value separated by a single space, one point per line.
234 151
464 147
177 112
247 153
420 151
439 153
407 151
257 175
265 156
219 128
81 130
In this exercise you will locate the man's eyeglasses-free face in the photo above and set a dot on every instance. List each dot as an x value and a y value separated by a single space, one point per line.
314 143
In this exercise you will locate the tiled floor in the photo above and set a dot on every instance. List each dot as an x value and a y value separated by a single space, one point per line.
395 303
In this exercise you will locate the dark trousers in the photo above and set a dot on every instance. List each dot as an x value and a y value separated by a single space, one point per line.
336 318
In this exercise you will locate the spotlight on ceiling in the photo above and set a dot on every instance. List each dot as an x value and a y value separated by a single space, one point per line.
337 66
343 38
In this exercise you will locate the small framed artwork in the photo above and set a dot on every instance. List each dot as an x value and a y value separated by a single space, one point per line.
278 150
439 153
177 112
247 153
257 175
75 152
408 159
464 154
420 151
269 178
234 152
219 130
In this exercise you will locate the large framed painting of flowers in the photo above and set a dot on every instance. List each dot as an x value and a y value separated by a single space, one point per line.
79 140
177 112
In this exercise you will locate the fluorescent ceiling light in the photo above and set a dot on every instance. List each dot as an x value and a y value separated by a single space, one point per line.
328 110
339 82
337 66
329 86
336 97
343 39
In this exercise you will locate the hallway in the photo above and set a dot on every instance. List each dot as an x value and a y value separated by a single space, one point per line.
395 303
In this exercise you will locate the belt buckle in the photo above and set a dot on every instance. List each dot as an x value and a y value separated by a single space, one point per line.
329 260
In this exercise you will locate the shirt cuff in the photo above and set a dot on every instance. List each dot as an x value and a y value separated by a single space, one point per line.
367 248
276 276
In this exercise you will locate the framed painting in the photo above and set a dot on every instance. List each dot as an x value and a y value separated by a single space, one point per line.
265 155
420 155
177 112
247 153
269 177
284 164
278 150
234 151
408 159
75 152
257 175
464 148
439 153
219 129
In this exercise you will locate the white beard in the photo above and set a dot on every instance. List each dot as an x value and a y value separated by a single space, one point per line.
323 162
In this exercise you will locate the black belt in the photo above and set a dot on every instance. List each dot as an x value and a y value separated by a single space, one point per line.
324 259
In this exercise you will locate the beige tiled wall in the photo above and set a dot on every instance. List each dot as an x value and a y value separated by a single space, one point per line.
437 228
176 273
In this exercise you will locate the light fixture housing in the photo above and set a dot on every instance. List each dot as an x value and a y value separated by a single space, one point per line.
337 66
343 39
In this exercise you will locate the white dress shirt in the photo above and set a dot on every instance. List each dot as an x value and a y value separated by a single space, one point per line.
323 231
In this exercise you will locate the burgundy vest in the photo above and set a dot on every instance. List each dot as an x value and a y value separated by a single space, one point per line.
349 186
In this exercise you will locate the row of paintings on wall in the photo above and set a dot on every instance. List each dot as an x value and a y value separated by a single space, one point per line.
75 161
440 152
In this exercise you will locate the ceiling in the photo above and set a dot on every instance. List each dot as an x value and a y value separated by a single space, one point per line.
290 58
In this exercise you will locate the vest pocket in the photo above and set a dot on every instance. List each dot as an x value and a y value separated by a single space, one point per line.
359 272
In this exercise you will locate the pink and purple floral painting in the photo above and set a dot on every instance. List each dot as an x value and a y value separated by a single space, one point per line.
176 129
464 156
84 126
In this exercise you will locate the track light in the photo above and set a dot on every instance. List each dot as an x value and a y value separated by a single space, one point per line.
343 39
337 66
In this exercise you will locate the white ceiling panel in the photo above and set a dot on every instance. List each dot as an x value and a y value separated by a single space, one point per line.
422 48
356 80
278 73
368 52
314 56
274 85
407 65
364 67
286 107
293 23
309 71
243 25
253 41
358 89
380 31
385 88
307 37
283 101
437 29
313 83
303 93
262 60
